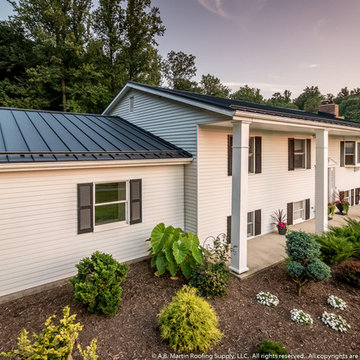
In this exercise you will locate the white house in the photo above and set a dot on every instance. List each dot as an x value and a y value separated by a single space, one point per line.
249 159
75 183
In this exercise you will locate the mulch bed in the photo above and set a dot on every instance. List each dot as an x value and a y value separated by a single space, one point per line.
133 334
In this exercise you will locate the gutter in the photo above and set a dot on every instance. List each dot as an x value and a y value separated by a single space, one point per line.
77 165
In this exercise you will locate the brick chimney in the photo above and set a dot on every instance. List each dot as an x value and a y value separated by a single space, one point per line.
329 108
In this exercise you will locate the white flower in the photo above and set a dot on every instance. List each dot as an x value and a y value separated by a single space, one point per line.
336 302
300 317
265 298
334 321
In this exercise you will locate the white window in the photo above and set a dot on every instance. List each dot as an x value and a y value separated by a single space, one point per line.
349 153
299 211
358 152
299 154
252 155
111 203
347 196
131 103
250 224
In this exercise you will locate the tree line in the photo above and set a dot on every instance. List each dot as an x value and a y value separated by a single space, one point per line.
66 55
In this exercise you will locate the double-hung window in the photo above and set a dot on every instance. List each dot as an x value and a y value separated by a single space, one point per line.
298 211
349 152
111 203
299 153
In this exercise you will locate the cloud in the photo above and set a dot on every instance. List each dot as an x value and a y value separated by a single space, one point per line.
309 66
215 6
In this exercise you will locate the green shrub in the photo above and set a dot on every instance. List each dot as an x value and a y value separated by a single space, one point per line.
340 243
97 284
348 272
273 348
189 323
212 277
55 342
173 250
90 352
304 264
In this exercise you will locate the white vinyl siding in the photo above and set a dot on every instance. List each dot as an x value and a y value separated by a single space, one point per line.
176 123
38 228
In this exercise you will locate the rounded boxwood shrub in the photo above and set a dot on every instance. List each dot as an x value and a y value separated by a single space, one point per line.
273 348
189 323
97 284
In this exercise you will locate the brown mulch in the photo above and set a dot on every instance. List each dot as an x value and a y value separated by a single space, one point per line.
133 334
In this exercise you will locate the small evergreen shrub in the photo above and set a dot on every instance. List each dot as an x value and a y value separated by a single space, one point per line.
174 250
55 342
211 278
348 272
97 284
90 352
273 348
304 264
189 323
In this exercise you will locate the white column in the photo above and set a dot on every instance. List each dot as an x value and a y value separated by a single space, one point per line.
239 204
321 182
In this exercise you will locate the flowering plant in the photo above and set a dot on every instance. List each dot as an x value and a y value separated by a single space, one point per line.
336 302
266 298
282 224
300 317
334 321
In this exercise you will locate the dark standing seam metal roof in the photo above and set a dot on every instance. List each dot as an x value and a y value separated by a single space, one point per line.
230 104
31 135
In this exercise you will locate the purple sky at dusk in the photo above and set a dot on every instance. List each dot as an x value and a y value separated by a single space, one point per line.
270 44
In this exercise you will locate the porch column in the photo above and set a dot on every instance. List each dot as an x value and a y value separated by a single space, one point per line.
239 201
321 182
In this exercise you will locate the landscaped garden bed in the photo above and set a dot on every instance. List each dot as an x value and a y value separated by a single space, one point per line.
133 333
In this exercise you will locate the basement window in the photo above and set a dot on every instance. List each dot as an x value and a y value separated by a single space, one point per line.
250 224
299 211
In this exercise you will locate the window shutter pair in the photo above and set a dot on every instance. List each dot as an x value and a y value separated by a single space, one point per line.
257 224
86 204
291 154
258 154
290 212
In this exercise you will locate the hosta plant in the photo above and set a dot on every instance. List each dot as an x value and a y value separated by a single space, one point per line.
266 298
189 323
300 317
334 321
336 302
173 250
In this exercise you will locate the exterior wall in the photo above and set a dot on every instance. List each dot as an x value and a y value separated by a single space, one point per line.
176 123
268 191
38 228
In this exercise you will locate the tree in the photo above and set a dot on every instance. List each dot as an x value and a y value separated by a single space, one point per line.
350 108
142 23
282 100
249 94
310 99
178 69
60 30
211 85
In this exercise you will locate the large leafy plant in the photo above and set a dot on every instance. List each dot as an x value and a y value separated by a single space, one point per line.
174 250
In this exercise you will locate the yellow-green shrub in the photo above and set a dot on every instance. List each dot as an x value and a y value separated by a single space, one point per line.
189 323
55 342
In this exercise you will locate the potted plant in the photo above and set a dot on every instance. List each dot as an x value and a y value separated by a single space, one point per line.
280 221
342 205
331 210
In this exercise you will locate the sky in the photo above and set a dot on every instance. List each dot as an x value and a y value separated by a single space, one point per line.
269 44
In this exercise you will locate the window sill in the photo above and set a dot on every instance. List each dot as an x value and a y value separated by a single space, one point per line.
111 226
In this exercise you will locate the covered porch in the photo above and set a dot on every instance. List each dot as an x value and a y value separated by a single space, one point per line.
274 243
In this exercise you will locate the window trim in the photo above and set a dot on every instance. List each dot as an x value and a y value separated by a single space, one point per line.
352 154
306 153
303 209
113 224
253 224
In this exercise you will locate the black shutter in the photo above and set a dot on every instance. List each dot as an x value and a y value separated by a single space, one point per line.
230 142
291 154
258 154
357 195
352 197
308 153
290 213
228 229
257 222
135 201
341 195
85 208
342 153
307 209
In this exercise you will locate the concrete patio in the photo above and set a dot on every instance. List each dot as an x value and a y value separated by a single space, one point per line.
269 249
